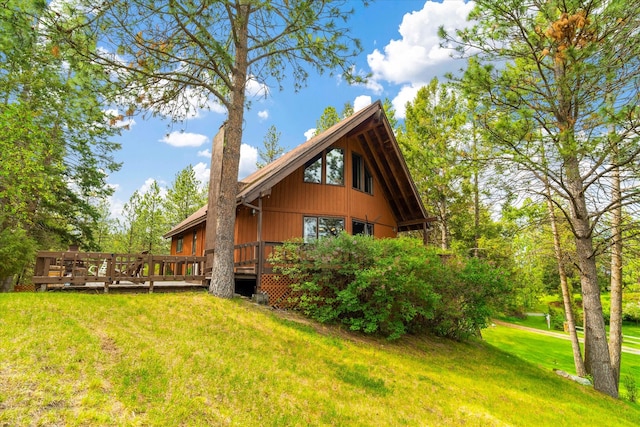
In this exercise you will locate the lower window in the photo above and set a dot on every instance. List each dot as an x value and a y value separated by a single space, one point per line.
316 227
361 227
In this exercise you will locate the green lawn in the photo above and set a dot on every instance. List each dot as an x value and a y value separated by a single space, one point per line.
192 359
548 352
629 330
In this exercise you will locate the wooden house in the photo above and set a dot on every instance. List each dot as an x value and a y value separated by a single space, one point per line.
351 177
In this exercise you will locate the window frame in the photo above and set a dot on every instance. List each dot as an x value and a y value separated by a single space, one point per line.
308 239
179 244
362 178
323 158
368 227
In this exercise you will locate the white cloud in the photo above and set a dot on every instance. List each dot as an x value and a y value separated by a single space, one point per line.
184 139
202 172
407 94
248 159
263 115
205 153
255 89
360 102
310 133
417 56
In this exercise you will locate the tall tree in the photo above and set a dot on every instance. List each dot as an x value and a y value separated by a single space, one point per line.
54 133
328 118
185 196
432 144
151 220
548 67
272 149
168 50
131 235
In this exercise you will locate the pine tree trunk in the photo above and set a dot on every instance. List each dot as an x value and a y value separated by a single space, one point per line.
564 286
597 359
222 279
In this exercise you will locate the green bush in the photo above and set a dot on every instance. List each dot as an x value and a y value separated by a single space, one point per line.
389 286
631 312
469 295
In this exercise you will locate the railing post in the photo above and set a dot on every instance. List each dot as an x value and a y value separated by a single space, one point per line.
111 272
260 266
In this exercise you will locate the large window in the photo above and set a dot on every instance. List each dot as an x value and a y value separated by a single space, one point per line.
361 227
179 244
194 242
327 167
316 227
362 178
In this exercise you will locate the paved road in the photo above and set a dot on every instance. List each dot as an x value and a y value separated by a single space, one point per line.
555 334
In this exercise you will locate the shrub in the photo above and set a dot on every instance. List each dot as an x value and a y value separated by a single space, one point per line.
631 312
389 286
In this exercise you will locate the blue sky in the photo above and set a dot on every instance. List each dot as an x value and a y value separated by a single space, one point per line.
400 49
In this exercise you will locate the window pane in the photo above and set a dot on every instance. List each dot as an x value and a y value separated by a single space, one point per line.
313 170
330 226
357 171
335 166
369 230
357 227
310 228
368 181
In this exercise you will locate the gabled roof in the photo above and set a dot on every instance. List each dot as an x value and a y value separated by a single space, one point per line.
371 127
191 221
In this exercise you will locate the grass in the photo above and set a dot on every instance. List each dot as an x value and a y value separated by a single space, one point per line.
629 329
191 359
549 352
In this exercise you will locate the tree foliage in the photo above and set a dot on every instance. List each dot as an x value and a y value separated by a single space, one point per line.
272 149
55 136
556 76
185 196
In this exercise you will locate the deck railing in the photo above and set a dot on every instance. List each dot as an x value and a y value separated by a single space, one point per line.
55 269
253 257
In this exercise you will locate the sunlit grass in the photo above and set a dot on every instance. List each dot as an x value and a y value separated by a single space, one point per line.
549 352
192 359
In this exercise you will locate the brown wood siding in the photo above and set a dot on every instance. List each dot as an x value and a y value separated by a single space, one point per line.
292 199
187 242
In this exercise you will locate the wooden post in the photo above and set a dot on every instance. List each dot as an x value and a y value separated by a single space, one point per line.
261 248
111 272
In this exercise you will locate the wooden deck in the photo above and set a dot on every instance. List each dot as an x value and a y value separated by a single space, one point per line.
101 272
130 288
98 270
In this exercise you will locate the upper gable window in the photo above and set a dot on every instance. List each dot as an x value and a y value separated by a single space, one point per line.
327 167
313 170
362 178
335 166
